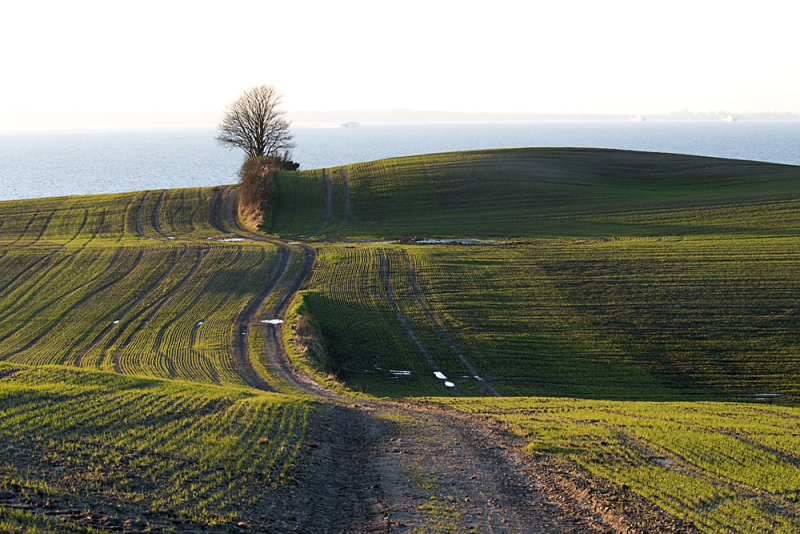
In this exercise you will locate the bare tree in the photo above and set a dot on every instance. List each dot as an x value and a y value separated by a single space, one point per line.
254 123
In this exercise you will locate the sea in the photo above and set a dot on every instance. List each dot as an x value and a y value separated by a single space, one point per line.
42 164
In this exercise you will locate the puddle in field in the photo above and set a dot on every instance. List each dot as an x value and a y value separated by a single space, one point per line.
765 396
115 322
292 243
399 373
467 241
439 375
225 239
272 321
665 462
449 384
199 323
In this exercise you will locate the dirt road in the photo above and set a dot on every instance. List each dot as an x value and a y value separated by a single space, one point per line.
383 466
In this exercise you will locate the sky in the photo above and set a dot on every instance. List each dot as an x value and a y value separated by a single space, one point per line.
81 59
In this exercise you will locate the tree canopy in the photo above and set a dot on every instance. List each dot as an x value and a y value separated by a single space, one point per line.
254 123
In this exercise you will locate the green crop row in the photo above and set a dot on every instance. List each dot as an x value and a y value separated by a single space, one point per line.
163 453
723 467
366 342
138 283
704 318
78 220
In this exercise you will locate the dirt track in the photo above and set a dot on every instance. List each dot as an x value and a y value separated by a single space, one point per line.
382 466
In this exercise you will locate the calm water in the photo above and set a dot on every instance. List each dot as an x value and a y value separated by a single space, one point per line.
36 165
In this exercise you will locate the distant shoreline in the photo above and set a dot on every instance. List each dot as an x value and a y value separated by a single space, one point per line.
11 123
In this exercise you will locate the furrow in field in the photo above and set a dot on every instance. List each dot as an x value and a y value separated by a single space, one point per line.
201 253
156 215
80 228
139 229
239 344
328 200
25 272
24 230
348 210
204 303
27 294
385 269
200 355
39 331
122 313
438 326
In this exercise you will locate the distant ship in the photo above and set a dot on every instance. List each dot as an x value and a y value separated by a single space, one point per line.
352 124
638 118
728 118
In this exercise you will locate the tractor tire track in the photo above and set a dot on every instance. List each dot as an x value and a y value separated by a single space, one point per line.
348 210
44 227
377 466
412 276
65 311
179 314
127 309
139 211
385 268
157 214
328 200
80 229
276 353
24 230
33 269
240 359
202 252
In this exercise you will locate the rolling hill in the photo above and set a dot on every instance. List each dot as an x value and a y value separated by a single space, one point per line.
567 272
638 313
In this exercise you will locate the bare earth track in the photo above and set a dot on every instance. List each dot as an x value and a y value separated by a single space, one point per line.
383 466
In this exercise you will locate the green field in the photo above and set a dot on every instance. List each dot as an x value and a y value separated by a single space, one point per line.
640 308
543 193
171 454
147 418
609 274
136 283
615 278
725 467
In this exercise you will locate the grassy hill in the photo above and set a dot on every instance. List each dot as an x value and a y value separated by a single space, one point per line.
132 353
613 275
123 401
538 193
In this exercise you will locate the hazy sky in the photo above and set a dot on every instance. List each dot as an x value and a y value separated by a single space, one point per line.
609 56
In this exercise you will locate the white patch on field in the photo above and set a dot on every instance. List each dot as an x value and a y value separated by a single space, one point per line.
439 375
449 384
115 322
272 321
463 241
400 373
199 323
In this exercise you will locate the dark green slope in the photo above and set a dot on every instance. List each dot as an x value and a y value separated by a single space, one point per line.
538 192
616 274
